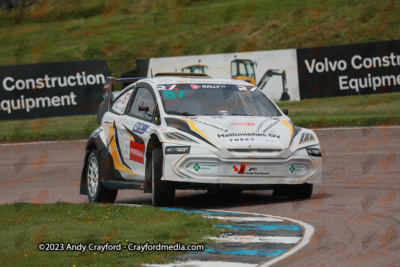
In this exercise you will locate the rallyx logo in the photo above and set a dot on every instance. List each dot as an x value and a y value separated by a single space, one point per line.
211 86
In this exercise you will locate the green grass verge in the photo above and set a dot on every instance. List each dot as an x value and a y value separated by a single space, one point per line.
123 30
363 110
55 128
24 226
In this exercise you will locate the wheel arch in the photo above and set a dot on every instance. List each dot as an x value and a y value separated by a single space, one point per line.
94 142
83 186
154 142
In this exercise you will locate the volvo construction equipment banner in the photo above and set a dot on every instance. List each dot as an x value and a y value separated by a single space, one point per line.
349 69
51 89
274 72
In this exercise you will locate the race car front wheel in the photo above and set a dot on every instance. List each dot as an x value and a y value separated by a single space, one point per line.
96 191
300 191
163 193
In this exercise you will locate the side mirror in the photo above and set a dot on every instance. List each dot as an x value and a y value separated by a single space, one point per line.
144 108
285 111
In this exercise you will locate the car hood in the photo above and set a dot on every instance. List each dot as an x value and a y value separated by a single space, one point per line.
233 132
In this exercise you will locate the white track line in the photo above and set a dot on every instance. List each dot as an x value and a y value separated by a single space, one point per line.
245 219
203 263
246 239
308 232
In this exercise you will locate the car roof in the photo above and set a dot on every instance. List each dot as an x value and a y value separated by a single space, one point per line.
179 80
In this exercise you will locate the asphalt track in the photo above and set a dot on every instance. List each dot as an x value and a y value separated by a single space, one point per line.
355 211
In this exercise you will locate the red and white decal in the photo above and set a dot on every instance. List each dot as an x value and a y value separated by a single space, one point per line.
133 151
241 170
126 98
243 123
195 86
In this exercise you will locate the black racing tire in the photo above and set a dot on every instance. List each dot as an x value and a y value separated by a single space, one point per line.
225 191
95 189
300 191
163 193
280 190
232 191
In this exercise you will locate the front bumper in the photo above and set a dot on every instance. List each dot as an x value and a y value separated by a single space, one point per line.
211 169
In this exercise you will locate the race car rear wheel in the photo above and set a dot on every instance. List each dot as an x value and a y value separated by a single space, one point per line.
163 193
300 191
95 190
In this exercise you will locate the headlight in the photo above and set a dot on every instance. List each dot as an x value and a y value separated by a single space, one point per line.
178 136
306 137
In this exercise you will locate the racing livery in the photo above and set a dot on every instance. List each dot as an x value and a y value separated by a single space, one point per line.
189 131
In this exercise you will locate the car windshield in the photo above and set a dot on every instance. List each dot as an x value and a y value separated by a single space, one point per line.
215 99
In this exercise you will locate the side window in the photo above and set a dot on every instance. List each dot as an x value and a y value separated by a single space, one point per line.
143 100
242 69
234 69
119 104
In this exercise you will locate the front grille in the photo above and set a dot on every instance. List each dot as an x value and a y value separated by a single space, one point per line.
255 150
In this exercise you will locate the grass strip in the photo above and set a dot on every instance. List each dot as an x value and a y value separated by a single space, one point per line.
24 226
361 110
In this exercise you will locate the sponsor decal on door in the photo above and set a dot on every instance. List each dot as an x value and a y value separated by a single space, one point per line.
133 151
140 127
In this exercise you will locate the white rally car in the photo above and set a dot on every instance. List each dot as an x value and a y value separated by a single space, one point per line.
189 131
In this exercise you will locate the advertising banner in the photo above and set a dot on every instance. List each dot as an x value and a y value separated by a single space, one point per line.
275 72
51 89
366 68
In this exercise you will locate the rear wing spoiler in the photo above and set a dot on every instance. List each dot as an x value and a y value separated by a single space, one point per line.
108 97
111 81
182 74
